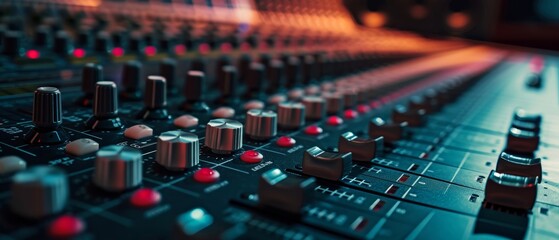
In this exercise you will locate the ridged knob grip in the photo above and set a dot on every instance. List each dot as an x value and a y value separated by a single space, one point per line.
47 108
118 168
261 125
315 107
291 115
224 136
106 100
155 92
178 150
39 191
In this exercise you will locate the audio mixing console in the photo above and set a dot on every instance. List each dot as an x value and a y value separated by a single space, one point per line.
266 120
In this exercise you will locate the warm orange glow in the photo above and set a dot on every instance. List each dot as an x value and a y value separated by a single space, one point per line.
418 11
458 20
373 19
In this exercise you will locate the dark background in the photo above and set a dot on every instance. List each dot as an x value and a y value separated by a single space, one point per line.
530 23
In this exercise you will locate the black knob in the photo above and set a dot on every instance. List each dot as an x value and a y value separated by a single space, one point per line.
131 77
62 43
362 149
155 99
43 37
105 107
276 78
308 69
244 66
13 44
228 86
47 117
103 42
167 69
292 72
256 82
326 165
91 74
194 92
285 192
85 38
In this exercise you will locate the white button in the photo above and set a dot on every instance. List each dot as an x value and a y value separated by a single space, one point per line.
253 104
81 147
223 112
9 164
276 99
186 121
295 94
138 132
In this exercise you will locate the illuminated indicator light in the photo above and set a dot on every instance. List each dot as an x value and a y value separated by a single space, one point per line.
204 48
33 54
392 190
226 47
180 49
66 226
403 178
150 50
252 156
374 19
285 141
377 205
362 108
350 114
79 53
145 197
206 175
245 46
313 130
375 104
457 20
334 121
118 52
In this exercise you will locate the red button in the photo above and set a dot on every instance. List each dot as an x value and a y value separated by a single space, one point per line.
313 130
334 121
362 108
66 226
285 141
350 114
145 197
206 175
251 156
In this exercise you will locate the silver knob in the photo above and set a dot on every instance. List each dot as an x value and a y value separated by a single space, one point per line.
334 103
224 136
118 168
315 107
178 150
39 191
291 115
260 124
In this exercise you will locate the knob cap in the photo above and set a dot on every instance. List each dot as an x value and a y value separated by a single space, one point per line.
38 192
91 74
167 69
62 43
118 168
13 44
177 150
522 141
292 72
256 81
260 124
155 99
291 115
390 131
103 42
105 107
402 114
284 192
519 165
131 77
511 191
276 80
228 86
334 103
47 117
362 149
326 165
315 108
194 91
223 136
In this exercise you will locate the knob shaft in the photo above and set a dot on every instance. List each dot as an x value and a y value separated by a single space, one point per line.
118 168
194 92
131 77
256 81
167 69
47 117
223 136
91 74
39 191
228 86
105 107
291 115
261 125
178 150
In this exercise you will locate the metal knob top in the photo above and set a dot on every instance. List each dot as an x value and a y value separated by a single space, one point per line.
118 168
261 124
291 115
224 136
177 150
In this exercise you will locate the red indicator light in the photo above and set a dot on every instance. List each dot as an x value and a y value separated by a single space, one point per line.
150 50
204 48
33 54
117 52
180 49
79 53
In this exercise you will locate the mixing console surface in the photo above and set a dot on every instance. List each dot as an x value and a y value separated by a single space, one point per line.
285 131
